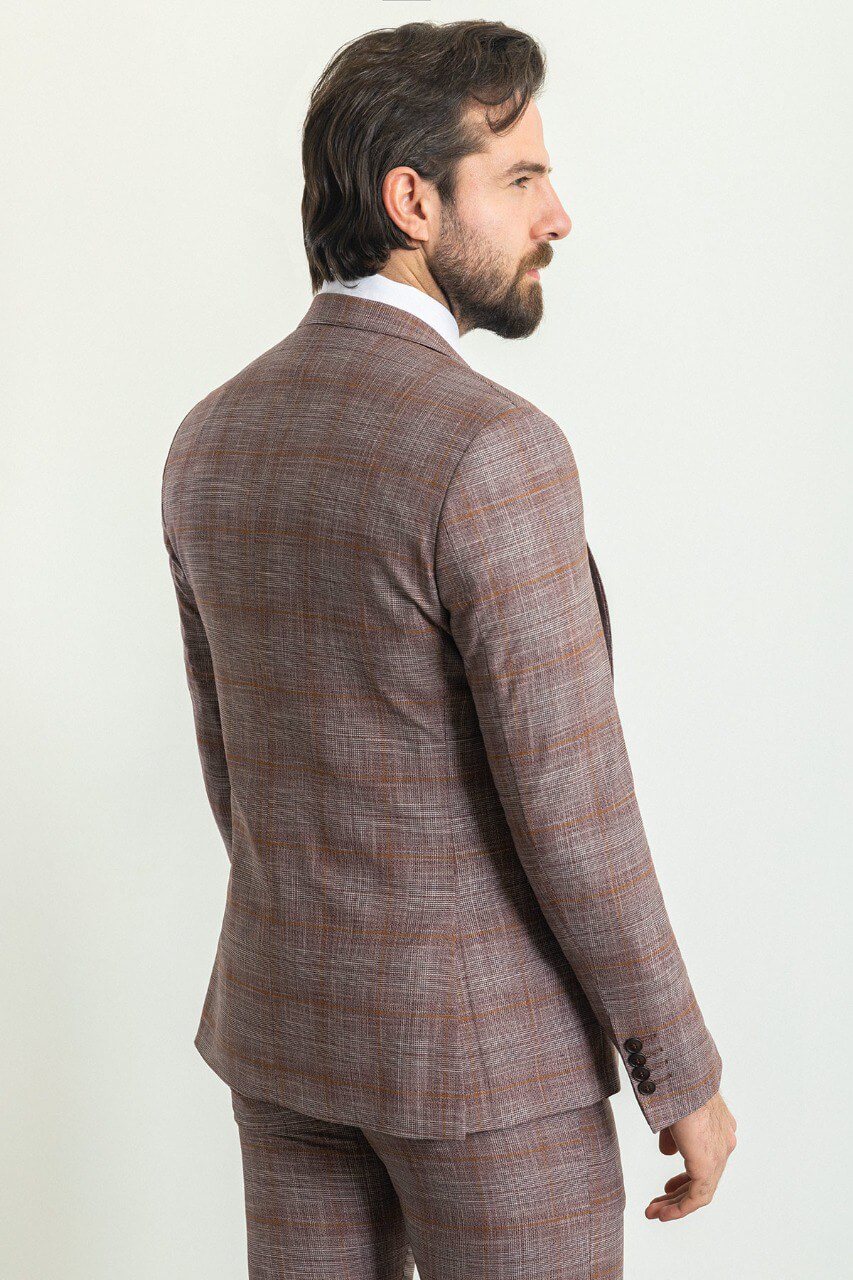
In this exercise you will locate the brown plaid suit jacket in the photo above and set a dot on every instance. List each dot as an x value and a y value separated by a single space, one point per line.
442 913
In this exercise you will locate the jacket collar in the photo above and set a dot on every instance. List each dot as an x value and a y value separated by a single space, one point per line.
376 317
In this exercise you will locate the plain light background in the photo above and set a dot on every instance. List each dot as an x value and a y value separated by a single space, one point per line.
695 350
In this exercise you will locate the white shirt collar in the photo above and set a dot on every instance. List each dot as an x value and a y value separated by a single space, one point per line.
404 296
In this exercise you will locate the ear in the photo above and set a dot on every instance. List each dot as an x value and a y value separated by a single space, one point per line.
409 202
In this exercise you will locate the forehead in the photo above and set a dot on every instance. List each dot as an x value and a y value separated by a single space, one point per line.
523 141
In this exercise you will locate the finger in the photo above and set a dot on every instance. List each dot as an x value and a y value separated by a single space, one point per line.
695 1198
673 1197
653 1209
656 1206
671 1185
667 1197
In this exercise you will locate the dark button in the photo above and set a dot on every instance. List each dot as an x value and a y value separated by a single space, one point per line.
641 1073
637 1059
646 1086
632 1044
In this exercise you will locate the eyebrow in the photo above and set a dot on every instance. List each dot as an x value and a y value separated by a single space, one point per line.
526 166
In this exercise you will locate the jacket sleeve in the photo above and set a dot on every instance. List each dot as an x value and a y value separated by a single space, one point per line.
205 703
513 575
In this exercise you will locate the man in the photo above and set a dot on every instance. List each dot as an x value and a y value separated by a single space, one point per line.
443 925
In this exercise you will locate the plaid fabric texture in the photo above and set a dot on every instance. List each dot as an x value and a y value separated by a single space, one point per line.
543 1200
442 914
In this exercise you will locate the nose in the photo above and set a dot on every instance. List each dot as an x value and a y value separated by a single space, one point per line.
560 222
555 223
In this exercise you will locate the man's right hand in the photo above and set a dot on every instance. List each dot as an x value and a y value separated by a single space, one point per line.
706 1139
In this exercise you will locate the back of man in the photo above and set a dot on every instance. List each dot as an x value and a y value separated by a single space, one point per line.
383 958
442 915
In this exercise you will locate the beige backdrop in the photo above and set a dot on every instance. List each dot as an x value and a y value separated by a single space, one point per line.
696 352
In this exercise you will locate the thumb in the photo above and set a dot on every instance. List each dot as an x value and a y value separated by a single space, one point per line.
666 1142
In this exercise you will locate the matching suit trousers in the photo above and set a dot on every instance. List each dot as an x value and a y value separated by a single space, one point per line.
542 1200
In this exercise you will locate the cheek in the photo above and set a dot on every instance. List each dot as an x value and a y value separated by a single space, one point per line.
488 219
498 230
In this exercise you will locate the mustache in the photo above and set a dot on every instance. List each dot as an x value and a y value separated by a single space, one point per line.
541 262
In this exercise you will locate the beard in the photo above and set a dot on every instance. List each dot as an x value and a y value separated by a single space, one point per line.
481 291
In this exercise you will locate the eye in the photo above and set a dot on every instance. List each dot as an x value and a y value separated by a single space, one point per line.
525 178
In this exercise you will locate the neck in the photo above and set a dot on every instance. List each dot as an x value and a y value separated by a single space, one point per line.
409 268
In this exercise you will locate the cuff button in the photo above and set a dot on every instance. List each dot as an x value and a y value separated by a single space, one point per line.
633 1044
641 1073
646 1086
637 1059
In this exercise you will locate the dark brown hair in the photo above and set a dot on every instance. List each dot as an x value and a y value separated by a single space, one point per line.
397 96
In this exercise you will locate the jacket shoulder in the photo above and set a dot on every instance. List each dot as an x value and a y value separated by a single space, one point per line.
497 417
491 396
238 387
504 423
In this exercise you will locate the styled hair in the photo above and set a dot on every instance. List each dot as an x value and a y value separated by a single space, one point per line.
398 96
